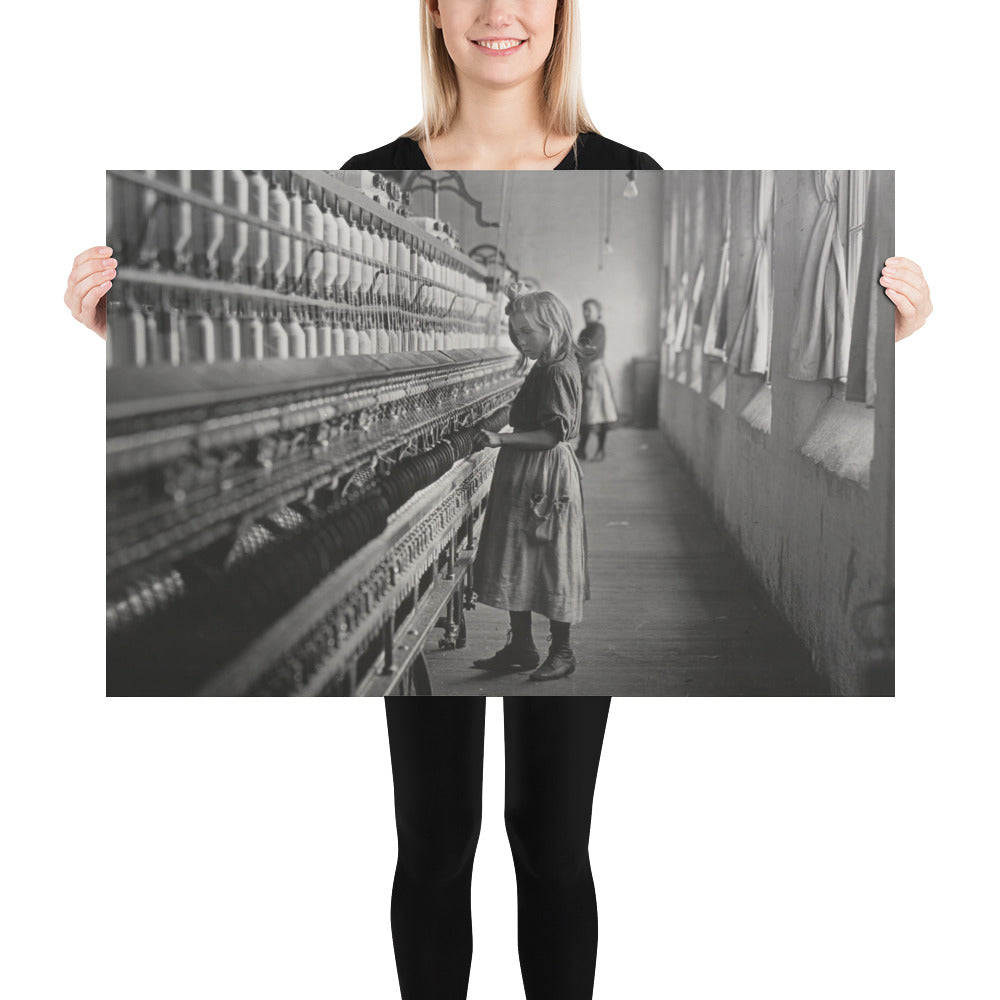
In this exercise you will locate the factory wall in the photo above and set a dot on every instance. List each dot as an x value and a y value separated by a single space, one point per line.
800 476
558 223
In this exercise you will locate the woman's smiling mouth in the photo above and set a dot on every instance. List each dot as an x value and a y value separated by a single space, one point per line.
498 46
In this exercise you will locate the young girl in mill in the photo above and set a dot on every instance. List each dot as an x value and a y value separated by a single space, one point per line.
532 554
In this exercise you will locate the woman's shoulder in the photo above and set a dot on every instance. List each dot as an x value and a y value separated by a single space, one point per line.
597 152
400 154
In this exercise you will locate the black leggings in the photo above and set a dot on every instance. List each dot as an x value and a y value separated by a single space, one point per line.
553 746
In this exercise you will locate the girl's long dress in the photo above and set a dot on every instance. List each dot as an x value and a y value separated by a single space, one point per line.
598 396
532 552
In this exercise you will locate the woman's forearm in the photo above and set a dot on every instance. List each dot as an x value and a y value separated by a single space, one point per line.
541 440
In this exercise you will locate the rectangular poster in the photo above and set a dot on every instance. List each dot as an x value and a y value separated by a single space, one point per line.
307 372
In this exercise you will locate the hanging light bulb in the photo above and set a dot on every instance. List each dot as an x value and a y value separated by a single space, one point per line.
631 191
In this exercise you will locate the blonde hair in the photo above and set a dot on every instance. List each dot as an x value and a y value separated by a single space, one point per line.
543 311
562 93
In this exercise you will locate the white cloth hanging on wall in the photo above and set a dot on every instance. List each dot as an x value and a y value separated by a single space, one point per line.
668 366
683 300
695 256
821 335
748 348
684 269
712 346
694 303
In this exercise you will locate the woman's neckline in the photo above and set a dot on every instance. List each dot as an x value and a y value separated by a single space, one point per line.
566 163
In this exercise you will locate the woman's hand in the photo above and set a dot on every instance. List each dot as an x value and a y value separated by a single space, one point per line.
905 285
87 286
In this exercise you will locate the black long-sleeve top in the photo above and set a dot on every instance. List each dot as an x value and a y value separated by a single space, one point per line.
592 152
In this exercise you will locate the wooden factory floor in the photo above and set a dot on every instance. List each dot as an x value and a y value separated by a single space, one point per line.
673 610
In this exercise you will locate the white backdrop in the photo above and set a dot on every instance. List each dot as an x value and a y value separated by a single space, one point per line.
244 849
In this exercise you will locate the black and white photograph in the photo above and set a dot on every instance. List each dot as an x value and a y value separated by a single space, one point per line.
494 433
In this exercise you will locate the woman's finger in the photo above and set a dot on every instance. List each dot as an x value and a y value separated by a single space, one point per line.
90 314
87 292
908 317
903 305
89 302
76 292
96 265
912 275
905 263
91 253
80 288
917 296
913 293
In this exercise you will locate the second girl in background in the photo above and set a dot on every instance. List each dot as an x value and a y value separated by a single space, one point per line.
599 410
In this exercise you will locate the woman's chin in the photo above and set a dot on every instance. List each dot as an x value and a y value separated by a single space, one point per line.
501 69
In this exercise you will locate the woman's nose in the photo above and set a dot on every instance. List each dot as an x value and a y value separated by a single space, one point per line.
497 13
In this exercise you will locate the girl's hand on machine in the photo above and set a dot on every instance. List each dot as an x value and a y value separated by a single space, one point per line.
487 439
87 286
904 283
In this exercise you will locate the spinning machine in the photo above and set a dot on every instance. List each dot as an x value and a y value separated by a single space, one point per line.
296 372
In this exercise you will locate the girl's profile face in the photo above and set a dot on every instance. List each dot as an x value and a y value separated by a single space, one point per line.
496 42
531 340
